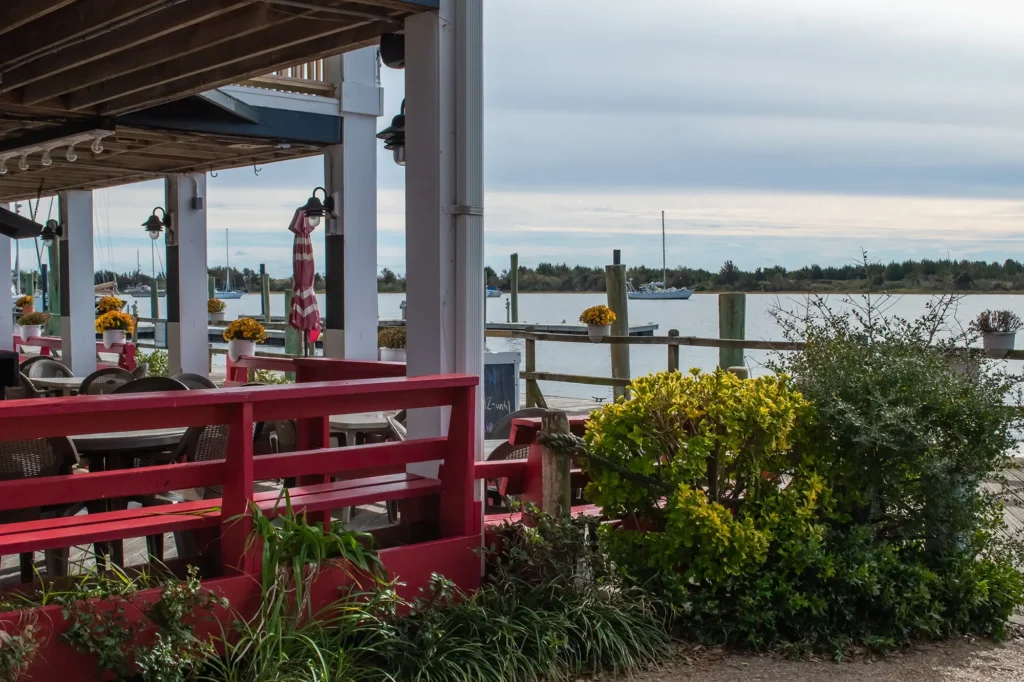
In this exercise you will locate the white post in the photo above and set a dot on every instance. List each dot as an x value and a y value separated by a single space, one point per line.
77 282
6 318
444 197
187 318
350 176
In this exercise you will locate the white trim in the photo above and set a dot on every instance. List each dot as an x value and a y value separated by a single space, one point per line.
289 101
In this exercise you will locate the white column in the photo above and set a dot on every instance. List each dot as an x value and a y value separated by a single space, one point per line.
6 318
350 176
187 318
444 197
77 282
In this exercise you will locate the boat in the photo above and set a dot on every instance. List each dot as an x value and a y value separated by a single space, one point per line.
228 294
493 292
143 291
657 291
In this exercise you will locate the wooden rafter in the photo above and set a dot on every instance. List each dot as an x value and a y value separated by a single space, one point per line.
128 37
17 13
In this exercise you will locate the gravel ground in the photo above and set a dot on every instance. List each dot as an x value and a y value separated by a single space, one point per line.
955 661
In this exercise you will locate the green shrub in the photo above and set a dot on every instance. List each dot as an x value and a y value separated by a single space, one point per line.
156 359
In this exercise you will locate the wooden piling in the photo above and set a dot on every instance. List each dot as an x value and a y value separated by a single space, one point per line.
513 282
732 316
615 285
673 353
53 284
292 340
211 287
556 476
154 299
534 398
265 294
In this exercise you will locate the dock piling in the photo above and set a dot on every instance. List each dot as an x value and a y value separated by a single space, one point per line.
673 353
513 283
211 287
732 315
556 474
615 285
265 293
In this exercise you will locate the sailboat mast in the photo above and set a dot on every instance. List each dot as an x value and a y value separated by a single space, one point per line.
227 261
664 266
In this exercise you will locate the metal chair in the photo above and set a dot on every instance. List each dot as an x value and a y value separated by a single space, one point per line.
25 390
141 371
37 458
104 381
31 361
45 368
151 384
194 382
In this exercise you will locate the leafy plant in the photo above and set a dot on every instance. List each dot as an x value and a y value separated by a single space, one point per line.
18 649
245 329
993 321
23 301
215 305
115 320
598 315
156 359
391 337
266 376
31 319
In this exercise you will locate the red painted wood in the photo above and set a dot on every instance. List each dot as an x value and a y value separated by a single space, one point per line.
235 532
194 506
331 498
500 468
457 473
516 517
533 482
314 434
349 459
525 429
54 490
125 351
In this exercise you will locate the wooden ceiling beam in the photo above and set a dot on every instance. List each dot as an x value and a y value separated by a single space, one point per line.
17 13
228 56
172 47
247 67
348 9
80 21
126 38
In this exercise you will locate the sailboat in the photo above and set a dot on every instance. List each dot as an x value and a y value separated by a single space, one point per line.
140 290
656 291
228 293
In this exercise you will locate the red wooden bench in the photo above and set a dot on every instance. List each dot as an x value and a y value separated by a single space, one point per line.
316 493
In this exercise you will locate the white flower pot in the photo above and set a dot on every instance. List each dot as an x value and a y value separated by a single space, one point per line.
239 347
392 354
998 343
596 332
28 331
112 336
218 317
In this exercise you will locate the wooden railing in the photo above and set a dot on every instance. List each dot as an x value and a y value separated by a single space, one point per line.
308 79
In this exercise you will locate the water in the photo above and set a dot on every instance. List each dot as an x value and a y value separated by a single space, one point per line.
697 316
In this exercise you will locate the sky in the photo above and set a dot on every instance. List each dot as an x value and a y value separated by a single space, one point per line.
771 132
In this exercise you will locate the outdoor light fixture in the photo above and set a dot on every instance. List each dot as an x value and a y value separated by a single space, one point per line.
52 231
96 146
155 225
315 209
3 165
23 163
394 137
45 158
72 155
92 138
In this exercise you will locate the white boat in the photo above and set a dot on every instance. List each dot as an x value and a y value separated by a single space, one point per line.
493 292
656 291
143 291
228 294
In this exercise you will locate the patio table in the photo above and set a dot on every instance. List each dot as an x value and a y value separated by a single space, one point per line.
66 385
366 423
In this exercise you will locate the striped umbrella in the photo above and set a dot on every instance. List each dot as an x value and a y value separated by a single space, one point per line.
304 315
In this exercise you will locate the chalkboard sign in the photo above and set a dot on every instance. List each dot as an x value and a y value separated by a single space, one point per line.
501 388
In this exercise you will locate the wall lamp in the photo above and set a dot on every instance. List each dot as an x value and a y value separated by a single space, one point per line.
52 231
316 209
154 225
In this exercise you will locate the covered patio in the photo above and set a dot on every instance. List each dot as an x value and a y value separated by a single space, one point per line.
96 95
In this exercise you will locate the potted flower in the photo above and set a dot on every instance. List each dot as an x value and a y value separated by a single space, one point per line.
26 304
242 336
109 304
391 341
998 329
30 325
113 325
216 307
599 320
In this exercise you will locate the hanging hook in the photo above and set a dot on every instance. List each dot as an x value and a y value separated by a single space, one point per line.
256 169
213 174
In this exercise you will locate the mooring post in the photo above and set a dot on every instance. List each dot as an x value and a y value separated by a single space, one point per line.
732 316
673 353
556 476
534 398
53 324
265 294
615 285
739 371
211 287
513 283
154 302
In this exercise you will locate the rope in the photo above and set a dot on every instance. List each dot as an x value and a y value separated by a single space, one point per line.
571 445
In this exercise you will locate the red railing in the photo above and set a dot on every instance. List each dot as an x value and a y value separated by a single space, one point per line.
312 369
47 344
315 464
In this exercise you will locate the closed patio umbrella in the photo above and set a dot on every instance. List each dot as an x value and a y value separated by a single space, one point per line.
304 316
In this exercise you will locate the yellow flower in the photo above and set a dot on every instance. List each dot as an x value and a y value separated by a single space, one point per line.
115 319
23 301
215 305
245 329
599 315
109 303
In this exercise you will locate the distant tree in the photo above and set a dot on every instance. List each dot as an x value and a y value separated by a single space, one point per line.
729 273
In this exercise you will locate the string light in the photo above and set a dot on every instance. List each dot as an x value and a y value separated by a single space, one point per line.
96 146
3 166
23 163
72 155
45 158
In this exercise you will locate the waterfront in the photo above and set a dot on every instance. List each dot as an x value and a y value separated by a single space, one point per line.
695 317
